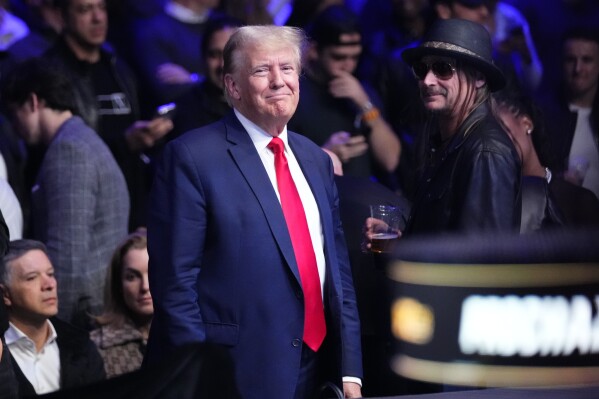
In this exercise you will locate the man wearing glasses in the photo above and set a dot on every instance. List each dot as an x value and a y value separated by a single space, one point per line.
470 176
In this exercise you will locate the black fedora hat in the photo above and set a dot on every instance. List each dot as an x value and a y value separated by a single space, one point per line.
463 40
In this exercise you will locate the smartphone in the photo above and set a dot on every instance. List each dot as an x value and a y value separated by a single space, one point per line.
166 110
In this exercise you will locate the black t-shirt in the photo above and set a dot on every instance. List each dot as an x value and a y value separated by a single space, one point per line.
116 115
114 107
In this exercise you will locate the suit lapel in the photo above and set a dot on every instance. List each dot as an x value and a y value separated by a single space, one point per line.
250 165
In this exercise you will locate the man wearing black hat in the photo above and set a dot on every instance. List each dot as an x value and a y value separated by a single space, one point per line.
336 110
470 178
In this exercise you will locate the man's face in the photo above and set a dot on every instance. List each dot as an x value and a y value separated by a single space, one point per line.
344 58
31 292
214 56
266 87
87 22
581 66
440 95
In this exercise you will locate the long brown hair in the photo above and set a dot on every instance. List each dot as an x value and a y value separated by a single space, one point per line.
473 98
115 309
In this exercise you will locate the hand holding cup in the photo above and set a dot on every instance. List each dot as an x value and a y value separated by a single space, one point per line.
382 228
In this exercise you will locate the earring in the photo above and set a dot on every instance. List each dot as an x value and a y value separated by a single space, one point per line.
529 132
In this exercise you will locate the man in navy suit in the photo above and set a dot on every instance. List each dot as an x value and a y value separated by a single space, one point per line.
223 268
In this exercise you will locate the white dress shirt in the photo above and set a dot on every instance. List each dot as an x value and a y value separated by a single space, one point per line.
261 139
583 152
42 368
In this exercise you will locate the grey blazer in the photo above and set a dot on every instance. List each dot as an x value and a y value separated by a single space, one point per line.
80 209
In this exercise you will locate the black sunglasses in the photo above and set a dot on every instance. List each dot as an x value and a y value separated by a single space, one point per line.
441 69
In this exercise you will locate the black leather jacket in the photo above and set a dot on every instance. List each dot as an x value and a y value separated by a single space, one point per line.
473 184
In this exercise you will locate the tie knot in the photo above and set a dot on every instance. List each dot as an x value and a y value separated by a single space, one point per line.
276 145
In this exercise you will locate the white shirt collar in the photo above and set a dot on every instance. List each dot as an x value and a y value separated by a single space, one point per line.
41 368
184 14
258 135
578 108
13 334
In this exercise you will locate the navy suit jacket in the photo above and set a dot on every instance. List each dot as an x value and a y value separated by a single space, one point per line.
222 267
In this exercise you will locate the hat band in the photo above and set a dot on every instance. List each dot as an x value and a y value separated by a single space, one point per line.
451 47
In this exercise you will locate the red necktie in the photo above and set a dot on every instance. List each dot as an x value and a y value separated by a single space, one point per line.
314 324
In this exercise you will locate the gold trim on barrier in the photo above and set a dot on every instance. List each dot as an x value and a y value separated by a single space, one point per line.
493 376
494 275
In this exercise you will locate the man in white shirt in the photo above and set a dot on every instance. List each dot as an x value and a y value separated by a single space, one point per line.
572 114
47 354
581 75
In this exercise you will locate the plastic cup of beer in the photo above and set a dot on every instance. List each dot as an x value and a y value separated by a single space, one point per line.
385 229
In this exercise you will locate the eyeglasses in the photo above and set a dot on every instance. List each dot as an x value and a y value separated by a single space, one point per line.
441 69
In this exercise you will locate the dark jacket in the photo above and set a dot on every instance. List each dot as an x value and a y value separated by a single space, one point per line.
80 362
8 381
539 209
579 206
471 185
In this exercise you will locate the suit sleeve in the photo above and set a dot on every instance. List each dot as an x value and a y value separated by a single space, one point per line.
350 320
176 234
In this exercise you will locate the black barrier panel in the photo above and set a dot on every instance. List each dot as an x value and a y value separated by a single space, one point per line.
497 311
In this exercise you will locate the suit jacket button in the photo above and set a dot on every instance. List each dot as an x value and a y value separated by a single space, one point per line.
296 343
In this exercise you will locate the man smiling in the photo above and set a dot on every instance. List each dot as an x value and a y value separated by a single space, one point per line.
471 175
245 241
